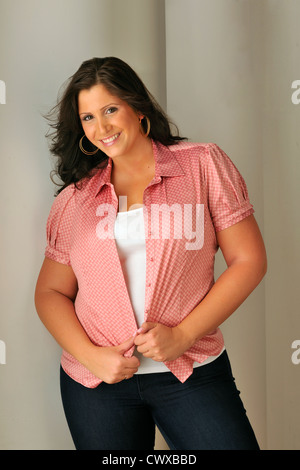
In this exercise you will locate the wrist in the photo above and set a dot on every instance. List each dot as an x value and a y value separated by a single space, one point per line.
88 355
185 337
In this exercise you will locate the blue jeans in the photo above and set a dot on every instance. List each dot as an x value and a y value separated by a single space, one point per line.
205 412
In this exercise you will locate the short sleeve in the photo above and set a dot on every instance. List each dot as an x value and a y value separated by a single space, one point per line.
228 197
59 226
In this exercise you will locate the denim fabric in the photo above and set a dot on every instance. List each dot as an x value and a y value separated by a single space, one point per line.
203 413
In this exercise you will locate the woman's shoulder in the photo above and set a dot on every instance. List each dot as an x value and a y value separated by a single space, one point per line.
64 195
187 147
63 204
74 191
207 157
202 153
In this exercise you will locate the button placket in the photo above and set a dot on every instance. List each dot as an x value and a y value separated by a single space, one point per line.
149 277
149 251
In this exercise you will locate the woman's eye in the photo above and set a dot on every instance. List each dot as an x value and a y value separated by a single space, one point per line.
87 118
111 110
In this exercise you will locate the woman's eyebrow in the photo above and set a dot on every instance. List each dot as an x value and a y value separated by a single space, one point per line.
110 104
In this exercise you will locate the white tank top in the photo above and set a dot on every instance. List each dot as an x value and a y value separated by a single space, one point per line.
130 240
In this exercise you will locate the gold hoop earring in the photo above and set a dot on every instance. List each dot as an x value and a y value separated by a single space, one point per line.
84 151
148 126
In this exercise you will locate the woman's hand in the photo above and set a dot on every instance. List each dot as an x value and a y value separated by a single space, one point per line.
161 343
110 365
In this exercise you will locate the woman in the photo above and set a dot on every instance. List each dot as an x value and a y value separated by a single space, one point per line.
127 285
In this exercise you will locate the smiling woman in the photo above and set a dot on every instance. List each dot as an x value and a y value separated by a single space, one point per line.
142 312
122 88
110 123
113 127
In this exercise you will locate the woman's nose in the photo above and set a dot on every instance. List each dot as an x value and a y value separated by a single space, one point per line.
102 128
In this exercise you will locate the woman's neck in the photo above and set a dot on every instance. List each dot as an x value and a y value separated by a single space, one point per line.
137 163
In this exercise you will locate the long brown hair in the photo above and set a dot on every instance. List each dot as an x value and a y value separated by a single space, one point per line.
121 81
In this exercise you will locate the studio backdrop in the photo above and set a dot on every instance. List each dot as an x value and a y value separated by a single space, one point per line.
226 71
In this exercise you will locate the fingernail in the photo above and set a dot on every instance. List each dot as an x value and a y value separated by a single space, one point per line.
139 331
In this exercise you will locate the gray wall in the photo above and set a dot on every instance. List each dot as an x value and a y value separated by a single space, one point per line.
281 152
215 93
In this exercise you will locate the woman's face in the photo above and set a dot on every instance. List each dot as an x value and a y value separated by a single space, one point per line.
109 122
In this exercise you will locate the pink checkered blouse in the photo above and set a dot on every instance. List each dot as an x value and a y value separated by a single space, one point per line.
196 192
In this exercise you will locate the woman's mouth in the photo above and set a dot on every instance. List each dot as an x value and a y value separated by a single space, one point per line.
111 140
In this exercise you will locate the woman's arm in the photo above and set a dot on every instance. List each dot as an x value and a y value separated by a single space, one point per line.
55 293
244 252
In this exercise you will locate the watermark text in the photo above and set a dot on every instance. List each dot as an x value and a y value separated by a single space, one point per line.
2 352
296 94
160 221
296 354
2 92
161 458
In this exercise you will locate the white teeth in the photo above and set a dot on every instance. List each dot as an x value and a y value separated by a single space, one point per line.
111 139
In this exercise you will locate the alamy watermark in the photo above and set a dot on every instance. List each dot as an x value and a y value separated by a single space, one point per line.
2 352
296 94
296 354
2 92
162 221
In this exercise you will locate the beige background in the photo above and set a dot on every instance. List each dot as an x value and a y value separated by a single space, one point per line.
223 69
